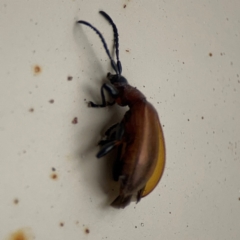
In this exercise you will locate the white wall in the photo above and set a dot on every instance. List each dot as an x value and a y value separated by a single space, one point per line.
169 44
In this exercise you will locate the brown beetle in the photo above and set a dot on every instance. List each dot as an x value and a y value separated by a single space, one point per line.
140 157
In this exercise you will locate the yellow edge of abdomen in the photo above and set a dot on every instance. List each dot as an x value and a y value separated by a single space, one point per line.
158 171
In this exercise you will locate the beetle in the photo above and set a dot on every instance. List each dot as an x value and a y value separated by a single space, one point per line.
139 139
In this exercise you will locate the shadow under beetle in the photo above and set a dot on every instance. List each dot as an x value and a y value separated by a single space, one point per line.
139 137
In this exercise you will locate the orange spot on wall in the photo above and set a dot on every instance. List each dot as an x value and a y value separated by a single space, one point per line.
37 69
21 234
54 176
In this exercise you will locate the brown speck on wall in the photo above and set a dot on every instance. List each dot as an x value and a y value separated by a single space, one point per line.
37 70
61 224
21 234
51 101
87 231
75 120
31 110
16 201
124 6
210 54
54 176
69 78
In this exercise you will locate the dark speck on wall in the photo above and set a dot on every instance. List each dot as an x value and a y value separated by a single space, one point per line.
61 224
124 6
87 231
75 120
31 110
69 78
16 201
51 101
210 54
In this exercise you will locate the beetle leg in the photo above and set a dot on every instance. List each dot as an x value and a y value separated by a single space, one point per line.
107 148
117 165
116 170
139 194
103 142
119 131
108 139
121 201
114 126
110 135
111 90
115 132
114 138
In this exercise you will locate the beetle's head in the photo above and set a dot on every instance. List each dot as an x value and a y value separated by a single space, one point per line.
117 79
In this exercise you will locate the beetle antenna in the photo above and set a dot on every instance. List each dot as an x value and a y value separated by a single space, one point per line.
115 32
114 66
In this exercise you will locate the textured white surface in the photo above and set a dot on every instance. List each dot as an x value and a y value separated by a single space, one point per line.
197 97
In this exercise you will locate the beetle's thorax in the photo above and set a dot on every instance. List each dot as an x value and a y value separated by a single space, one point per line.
129 95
